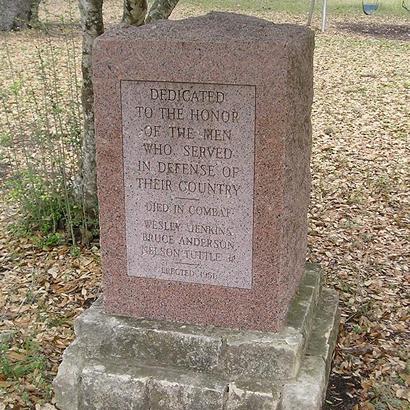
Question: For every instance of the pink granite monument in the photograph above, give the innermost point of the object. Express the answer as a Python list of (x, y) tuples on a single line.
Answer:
[(203, 146), (203, 141)]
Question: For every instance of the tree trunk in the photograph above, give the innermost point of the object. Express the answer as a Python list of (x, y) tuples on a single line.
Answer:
[(311, 10), (134, 12), (15, 14), (92, 25), (34, 11), (161, 9)]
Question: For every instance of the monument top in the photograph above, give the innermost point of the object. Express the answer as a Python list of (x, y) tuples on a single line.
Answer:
[(203, 146), (213, 27)]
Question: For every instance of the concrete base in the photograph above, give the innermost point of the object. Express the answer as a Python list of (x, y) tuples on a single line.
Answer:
[(124, 363)]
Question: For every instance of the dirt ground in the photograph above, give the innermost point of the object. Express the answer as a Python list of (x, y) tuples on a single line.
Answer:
[(358, 220), (381, 30)]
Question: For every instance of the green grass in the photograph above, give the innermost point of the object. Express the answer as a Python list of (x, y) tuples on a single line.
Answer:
[(30, 361), (350, 7), (27, 368)]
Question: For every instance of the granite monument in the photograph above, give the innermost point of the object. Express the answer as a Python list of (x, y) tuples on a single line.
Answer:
[(203, 138), (203, 149)]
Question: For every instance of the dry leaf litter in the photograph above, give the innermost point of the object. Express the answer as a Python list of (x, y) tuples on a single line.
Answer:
[(359, 225)]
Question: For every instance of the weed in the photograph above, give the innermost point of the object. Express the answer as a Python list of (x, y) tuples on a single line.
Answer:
[(15, 367), (385, 398), (75, 251), (26, 397), (49, 240), (383, 184), (40, 141), (24, 366), (58, 321), (355, 197)]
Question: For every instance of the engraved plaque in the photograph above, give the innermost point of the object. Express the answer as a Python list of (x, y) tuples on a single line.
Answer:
[(189, 179)]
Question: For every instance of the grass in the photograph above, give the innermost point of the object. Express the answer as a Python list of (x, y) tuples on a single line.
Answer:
[(344, 7), (23, 360), (15, 365)]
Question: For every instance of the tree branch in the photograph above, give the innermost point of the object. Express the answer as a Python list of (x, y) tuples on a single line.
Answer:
[(161, 9), (134, 12)]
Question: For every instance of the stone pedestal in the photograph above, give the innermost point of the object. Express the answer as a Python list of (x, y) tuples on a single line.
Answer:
[(126, 363)]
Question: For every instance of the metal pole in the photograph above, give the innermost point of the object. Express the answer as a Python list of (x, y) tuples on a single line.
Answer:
[(324, 9), (312, 8)]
